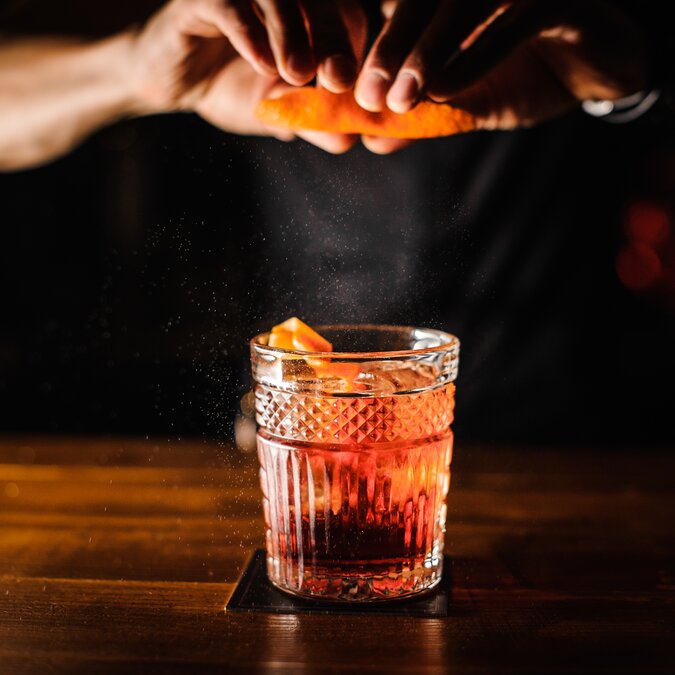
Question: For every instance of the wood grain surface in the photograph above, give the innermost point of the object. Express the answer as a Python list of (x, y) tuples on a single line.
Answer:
[(119, 556)]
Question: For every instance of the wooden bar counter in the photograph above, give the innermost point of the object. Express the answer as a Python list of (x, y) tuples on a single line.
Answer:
[(119, 556)]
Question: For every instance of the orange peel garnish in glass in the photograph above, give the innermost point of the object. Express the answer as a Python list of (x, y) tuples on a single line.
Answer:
[(296, 334)]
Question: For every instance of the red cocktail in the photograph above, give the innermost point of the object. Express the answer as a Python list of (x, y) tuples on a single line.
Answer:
[(355, 448)]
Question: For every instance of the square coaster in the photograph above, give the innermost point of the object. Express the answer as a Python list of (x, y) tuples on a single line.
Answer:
[(255, 593)]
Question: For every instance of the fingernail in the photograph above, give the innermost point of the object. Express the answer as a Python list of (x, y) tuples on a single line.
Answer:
[(404, 94), (371, 91), (340, 70), (300, 66)]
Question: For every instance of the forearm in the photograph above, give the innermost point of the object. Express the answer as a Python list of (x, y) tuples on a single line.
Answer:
[(54, 92)]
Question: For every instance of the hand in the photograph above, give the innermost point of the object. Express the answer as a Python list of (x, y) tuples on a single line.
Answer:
[(299, 39), (296, 39), (185, 58), (510, 64)]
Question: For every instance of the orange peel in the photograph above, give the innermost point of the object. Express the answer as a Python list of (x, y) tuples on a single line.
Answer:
[(296, 334), (321, 110)]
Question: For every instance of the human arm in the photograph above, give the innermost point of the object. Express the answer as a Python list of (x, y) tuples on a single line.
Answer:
[(54, 92)]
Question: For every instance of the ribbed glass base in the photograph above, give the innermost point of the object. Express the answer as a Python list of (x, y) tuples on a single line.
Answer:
[(365, 523)]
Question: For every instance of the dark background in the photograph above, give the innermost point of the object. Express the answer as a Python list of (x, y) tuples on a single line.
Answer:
[(133, 272)]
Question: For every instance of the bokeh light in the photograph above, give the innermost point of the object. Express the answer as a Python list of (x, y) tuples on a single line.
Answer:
[(647, 222), (638, 266), (646, 262)]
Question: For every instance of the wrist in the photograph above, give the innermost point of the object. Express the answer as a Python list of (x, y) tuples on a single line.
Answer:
[(125, 75), (154, 59)]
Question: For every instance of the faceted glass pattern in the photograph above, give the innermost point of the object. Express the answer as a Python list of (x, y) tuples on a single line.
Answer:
[(349, 420)]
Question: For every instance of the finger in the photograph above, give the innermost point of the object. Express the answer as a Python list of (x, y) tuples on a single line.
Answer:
[(496, 41), (238, 22), (385, 146), (451, 25), (333, 50), (354, 18), (390, 50), (336, 144), (281, 134), (289, 40)]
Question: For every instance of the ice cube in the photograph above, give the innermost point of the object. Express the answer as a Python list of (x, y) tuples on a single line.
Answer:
[(372, 382), (392, 377)]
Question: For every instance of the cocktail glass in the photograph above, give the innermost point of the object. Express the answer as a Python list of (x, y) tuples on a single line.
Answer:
[(355, 448)]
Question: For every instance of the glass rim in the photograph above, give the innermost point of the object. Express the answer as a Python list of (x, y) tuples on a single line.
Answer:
[(452, 343)]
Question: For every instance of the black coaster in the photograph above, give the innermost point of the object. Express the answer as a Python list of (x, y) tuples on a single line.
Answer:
[(254, 593)]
